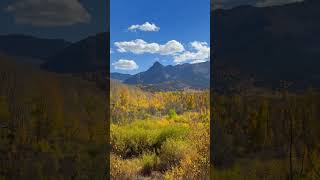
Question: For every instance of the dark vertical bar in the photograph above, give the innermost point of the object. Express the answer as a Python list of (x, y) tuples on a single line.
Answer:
[(211, 90), (264, 89), (107, 175)]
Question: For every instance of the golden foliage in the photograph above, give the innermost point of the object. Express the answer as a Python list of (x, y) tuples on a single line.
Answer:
[(160, 134)]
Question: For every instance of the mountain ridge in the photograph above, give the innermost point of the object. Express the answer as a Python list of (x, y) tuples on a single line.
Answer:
[(20, 45), (184, 76), (87, 55)]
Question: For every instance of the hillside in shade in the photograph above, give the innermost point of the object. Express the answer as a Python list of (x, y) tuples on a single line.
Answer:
[(87, 55), (271, 47), (29, 46)]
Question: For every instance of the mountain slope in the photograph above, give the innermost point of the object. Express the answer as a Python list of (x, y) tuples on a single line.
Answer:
[(88, 55), (195, 76), (31, 47), (267, 45)]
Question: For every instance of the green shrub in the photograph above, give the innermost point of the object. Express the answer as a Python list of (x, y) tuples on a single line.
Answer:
[(172, 114), (140, 137), (149, 163), (174, 131), (132, 141)]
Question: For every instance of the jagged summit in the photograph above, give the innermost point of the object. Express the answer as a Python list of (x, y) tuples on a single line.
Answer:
[(157, 64)]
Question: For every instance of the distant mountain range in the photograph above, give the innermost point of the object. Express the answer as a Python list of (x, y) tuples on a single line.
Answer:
[(271, 47), (87, 55), (184, 76), (119, 76)]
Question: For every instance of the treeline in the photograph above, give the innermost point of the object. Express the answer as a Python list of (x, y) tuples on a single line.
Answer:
[(129, 102), (274, 135), (51, 126)]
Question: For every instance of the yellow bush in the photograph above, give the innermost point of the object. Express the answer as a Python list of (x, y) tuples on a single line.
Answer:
[(124, 169), (172, 152)]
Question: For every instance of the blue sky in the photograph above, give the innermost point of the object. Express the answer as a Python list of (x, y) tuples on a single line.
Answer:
[(185, 24)]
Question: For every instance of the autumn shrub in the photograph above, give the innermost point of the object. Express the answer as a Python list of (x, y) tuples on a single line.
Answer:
[(195, 162), (43, 146), (133, 168), (172, 151), (124, 169)]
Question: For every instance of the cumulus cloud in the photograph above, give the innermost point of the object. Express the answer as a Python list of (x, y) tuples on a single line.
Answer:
[(198, 61), (227, 4), (144, 27), (125, 64), (49, 12), (201, 53), (140, 46)]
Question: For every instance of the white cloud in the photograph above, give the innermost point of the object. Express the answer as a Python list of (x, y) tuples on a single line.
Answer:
[(144, 27), (140, 46), (201, 53), (111, 51), (124, 64), (198, 61), (49, 12)]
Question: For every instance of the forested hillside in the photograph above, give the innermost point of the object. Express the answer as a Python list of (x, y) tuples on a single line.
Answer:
[(51, 126), (270, 135)]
